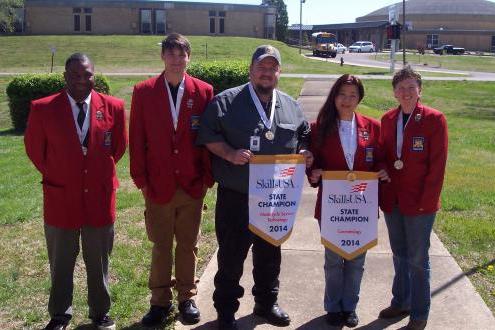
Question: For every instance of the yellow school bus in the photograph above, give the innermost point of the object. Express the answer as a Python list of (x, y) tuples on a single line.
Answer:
[(324, 44)]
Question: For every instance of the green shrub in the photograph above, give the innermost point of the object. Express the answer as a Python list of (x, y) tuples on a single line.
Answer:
[(221, 75), (25, 88)]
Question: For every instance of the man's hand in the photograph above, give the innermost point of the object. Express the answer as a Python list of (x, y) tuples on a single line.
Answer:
[(239, 156), (308, 157), (383, 176), (315, 175)]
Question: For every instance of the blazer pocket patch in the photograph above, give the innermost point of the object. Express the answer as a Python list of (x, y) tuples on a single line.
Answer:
[(195, 122), (418, 143)]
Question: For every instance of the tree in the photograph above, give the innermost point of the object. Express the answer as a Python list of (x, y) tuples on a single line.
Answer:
[(282, 18), (7, 14)]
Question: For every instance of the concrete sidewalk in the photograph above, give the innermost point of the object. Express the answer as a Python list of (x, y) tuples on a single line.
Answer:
[(455, 303)]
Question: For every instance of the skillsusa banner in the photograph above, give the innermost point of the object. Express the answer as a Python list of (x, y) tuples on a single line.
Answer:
[(275, 186), (349, 212)]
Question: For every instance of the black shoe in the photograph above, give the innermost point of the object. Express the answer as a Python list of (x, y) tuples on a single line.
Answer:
[(350, 319), (227, 323), (156, 315), (104, 323), (392, 312), (55, 324), (273, 314), (189, 311), (334, 319), (416, 325)]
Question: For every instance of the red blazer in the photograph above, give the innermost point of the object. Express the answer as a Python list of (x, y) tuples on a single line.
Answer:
[(77, 190), (161, 158), (415, 188), (330, 155)]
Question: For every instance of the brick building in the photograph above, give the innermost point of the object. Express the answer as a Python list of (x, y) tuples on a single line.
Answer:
[(148, 17), (431, 23)]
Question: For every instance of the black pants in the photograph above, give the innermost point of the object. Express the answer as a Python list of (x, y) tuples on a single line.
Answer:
[(234, 240)]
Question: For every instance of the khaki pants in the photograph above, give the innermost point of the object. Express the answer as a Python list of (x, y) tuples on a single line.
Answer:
[(181, 218)]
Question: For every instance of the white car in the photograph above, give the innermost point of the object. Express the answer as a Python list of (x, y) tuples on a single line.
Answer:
[(341, 49), (362, 47)]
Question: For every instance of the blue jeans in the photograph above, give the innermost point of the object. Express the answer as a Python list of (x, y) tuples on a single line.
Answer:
[(342, 282), (410, 242)]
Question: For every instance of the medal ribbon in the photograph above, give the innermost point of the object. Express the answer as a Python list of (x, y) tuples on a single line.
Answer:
[(400, 133), (268, 122), (175, 108)]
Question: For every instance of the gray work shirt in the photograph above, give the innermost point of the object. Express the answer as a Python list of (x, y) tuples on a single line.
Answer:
[(231, 117)]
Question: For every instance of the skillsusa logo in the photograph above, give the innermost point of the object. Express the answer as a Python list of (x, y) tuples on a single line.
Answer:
[(359, 188)]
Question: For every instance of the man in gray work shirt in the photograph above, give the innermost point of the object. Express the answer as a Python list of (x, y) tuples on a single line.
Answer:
[(254, 118)]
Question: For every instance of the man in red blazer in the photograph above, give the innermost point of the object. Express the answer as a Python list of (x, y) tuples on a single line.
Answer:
[(173, 175), (414, 139), (74, 138)]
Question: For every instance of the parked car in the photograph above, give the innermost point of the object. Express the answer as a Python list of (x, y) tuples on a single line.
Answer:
[(449, 49), (341, 49), (362, 47)]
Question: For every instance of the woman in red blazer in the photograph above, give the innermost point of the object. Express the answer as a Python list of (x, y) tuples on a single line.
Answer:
[(342, 140), (414, 139)]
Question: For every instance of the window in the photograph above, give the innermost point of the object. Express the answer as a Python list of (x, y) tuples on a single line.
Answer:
[(212, 13), (432, 41), (222, 25), (493, 44), (88, 10), (77, 23), (160, 21), (212, 25), (76, 10), (88, 23), (145, 21), (221, 14)]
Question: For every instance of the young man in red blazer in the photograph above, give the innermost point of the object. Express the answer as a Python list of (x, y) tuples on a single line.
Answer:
[(74, 138), (414, 139), (173, 175)]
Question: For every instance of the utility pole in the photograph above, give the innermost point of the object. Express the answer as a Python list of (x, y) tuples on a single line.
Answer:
[(404, 32), (300, 25)]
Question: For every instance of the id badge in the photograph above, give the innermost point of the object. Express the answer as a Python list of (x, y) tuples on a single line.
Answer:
[(254, 143)]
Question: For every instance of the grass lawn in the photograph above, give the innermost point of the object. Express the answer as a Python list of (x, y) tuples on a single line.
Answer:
[(142, 53), (452, 62)]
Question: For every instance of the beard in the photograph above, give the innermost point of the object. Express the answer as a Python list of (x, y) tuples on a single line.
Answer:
[(262, 90)]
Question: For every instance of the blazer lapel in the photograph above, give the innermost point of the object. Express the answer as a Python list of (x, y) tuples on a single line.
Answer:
[(363, 136), (97, 113), (68, 125), (412, 127)]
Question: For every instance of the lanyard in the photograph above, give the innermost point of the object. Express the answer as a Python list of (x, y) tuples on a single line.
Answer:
[(175, 108), (348, 140), (400, 132), (268, 122)]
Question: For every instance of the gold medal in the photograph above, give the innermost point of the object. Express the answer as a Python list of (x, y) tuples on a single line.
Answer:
[(351, 176), (269, 135), (398, 164)]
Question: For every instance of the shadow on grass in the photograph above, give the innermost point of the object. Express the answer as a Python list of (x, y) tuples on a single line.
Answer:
[(11, 132), (456, 279)]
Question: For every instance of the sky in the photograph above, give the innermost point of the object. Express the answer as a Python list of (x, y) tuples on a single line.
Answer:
[(322, 11)]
